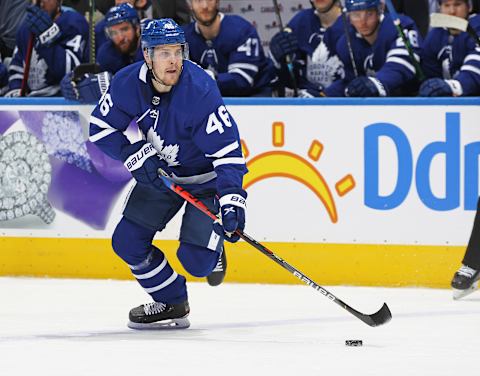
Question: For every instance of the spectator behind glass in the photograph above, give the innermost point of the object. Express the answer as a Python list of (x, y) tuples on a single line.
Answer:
[(60, 37), (310, 40), (451, 58), (383, 64), (228, 46)]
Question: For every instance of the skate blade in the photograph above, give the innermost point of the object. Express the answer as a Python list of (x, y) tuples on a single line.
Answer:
[(172, 324), (459, 294)]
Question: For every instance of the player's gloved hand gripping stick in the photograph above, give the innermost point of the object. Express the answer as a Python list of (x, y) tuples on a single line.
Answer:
[(378, 318)]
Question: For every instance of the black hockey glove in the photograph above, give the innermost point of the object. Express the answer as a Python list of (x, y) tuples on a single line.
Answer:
[(144, 163), (40, 23), (365, 87), (437, 87), (232, 214), (282, 44)]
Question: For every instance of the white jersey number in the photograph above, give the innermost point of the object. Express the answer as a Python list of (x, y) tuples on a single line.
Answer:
[(216, 124), (106, 104), (250, 47)]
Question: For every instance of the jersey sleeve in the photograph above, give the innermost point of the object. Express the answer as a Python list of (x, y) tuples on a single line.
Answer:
[(431, 64), (469, 73), (244, 63), (216, 135), (399, 68), (109, 120)]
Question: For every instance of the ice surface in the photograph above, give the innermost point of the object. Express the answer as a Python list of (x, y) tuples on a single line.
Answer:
[(78, 327)]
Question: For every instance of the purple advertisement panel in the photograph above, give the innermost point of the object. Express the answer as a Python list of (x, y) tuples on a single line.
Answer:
[(48, 165)]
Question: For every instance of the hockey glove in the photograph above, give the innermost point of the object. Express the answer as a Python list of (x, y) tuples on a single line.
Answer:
[(40, 23), (437, 87), (88, 90), (365, 87), (282, 44), (232, 214), (144, 163)]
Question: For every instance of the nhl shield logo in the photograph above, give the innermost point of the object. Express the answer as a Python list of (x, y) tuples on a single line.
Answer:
[(155, 100)]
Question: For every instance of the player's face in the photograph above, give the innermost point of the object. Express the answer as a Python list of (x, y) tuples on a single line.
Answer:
[(124, 36), (457, 8), (167, 63), (205, 11), (365, 21), (323, 5)]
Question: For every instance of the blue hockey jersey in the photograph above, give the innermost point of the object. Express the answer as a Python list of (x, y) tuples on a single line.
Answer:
[(49, 65), (453, 57), (316, 62), (387, 59), (235, 55), (110, 59), (189, 126)]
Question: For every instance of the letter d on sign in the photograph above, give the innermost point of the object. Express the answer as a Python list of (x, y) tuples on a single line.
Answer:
[(372, 134)]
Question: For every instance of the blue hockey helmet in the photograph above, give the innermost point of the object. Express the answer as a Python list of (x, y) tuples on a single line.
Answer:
[(160, 32), (163, 31), (124, 12), (353, 5)]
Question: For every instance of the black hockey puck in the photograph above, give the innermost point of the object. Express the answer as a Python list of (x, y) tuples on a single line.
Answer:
[(354, 342)]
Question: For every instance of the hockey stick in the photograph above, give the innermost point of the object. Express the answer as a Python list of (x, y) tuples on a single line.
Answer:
[(452, 22), (92, 31), (408, 46), (288, 58), (347, 37), (26, 70), (28, 59), (382, 316)]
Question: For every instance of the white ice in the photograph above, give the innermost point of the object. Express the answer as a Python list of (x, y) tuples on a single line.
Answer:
[(78, 327)]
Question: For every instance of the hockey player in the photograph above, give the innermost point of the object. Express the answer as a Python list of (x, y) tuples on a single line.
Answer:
[(310, 40), (60, 39), (381, 58), (229, 47), (189, 135), (122, 49), (451, 58), (465, 280)]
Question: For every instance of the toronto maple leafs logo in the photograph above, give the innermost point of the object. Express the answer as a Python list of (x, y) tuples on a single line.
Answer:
[(445, 56), (324, 68), (368, 66), (168, 153)]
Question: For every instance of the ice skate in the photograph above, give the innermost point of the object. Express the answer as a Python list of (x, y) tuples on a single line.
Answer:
[(464, 282), (218, 273), (157, 315)]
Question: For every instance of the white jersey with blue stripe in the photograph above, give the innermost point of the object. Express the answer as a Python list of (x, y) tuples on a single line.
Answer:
[(387, 59), (189, 126), (453, 57)]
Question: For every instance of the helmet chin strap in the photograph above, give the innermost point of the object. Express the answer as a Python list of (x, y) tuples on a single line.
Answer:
[(156, 79)]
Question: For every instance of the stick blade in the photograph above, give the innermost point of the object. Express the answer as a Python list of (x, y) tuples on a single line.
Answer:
[(382, 316), (450, 22)]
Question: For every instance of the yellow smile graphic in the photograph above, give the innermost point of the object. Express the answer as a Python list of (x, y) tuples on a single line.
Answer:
[(289, 165)]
